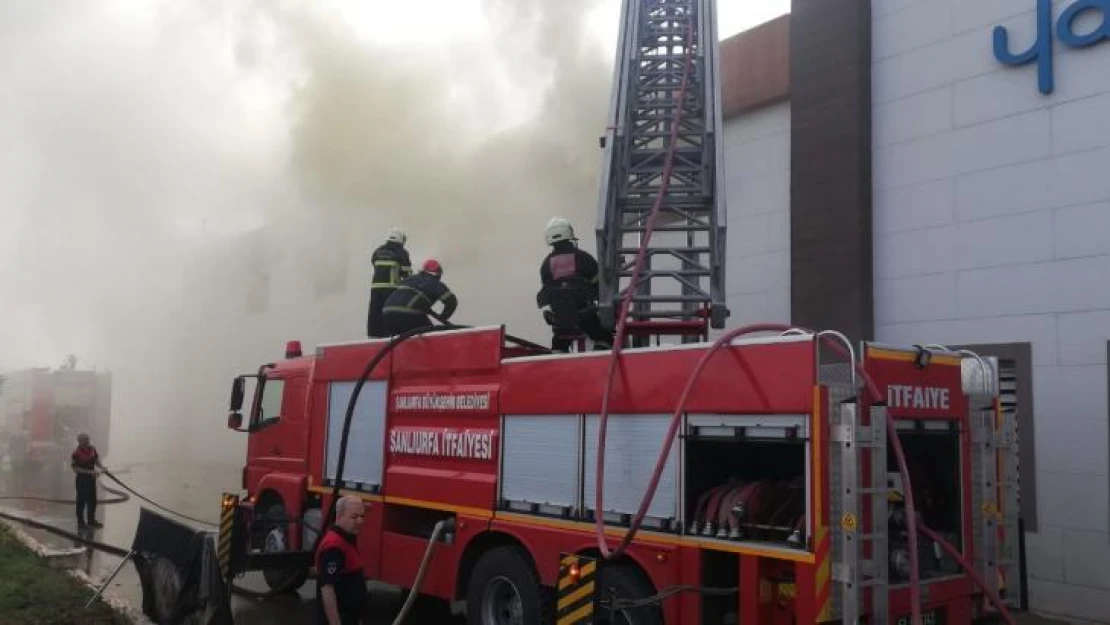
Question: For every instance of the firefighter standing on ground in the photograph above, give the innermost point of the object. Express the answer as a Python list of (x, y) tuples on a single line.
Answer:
[(84, 461), (391, 265), (569, 293), (341, 584), (409, 306)]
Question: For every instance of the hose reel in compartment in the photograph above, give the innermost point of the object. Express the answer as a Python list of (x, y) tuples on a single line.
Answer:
[(747, 478)]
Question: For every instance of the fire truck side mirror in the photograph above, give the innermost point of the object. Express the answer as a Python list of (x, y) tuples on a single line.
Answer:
[(234, 420), (237, 392)]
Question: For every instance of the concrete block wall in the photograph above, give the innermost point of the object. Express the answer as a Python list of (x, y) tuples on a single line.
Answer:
[(992, 225), (757, 183)]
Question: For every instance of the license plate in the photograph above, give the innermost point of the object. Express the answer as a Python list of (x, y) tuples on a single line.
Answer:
[(931, 617)]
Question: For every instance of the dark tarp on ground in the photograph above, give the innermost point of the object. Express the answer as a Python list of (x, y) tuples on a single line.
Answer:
[(179, 573)]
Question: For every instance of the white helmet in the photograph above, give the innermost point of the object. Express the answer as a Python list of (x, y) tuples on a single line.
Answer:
[(558, 229), (396, 235)]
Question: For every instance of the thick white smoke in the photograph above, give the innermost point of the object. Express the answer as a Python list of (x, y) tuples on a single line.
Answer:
[(166, 165)]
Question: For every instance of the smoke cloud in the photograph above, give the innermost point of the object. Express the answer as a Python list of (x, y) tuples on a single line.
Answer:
[(185, 186)]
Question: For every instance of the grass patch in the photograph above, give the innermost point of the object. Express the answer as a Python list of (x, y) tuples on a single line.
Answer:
[(33, 593)]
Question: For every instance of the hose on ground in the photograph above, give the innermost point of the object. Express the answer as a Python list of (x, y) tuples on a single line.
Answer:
[(105, 547), (121, 497), (53, 529), (156, 504), (420, 573)]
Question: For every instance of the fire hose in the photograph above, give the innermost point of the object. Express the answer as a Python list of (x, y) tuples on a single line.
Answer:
[(618, 344), (622, 314), (877, 399), (104, 547), (343, 440)]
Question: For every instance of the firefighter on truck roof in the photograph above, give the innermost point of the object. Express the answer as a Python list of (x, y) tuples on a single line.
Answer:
[(391, 265), (341, 584), (409, 306), (569, 293)]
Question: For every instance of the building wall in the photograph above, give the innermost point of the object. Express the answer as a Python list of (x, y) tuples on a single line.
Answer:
[(992, 225), (757, 183)]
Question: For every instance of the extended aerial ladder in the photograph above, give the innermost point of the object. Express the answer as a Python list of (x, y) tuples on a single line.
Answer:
[(682, 284)]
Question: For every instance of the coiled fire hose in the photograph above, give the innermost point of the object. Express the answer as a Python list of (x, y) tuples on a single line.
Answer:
[(626, 302), (877, 399)]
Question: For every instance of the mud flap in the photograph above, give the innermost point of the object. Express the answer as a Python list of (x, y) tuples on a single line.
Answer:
[(576, 596)]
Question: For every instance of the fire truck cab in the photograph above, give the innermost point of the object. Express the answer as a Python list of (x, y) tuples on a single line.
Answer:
[(779, 500)]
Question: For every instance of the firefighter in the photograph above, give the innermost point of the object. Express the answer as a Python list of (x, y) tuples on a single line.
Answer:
[(341, 584), (569, 293), (391, 264), (84, 461), (409, 306)]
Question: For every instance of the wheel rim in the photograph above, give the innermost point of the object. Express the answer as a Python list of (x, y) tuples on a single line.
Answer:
[(501, 603), (275, 541)]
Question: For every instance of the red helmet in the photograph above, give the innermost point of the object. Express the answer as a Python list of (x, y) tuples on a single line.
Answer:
[(432, 266)]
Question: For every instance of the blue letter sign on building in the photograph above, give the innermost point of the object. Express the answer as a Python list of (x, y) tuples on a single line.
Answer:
[(1041, 50)]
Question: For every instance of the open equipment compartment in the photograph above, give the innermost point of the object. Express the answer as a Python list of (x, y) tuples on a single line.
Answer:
[(747, 478), (934, 457)]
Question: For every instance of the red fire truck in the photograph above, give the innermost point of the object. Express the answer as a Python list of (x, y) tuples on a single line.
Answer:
[(779, 500), (41, 412)]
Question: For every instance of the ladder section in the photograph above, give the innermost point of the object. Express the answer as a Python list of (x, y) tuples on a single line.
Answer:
[(1009, 553), (995, 475), (681, 286), (858, 514), (1009, 557), (985, 502)]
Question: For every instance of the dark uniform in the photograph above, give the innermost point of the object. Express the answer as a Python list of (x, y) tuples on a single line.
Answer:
[(85, 458), (339, 565), (408, 307), (391, 265), (570, 287)]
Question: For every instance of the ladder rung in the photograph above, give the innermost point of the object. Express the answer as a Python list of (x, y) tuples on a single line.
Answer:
[(665, 273), (691, 228), (668, 299), (676, 250)]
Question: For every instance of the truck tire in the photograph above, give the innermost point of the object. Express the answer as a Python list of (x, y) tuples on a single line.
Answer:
[(275, 540), (628, 583), (504, 589)]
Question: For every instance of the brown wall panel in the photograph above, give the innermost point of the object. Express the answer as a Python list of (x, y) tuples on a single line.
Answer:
[(755, 67), (830, 178)]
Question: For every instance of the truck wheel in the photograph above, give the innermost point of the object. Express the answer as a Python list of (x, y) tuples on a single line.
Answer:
[(504, 589), (276, 540), (627, 583)]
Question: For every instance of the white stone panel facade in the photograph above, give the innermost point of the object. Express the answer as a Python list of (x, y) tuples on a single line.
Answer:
[(992, 225), (757, 183)]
